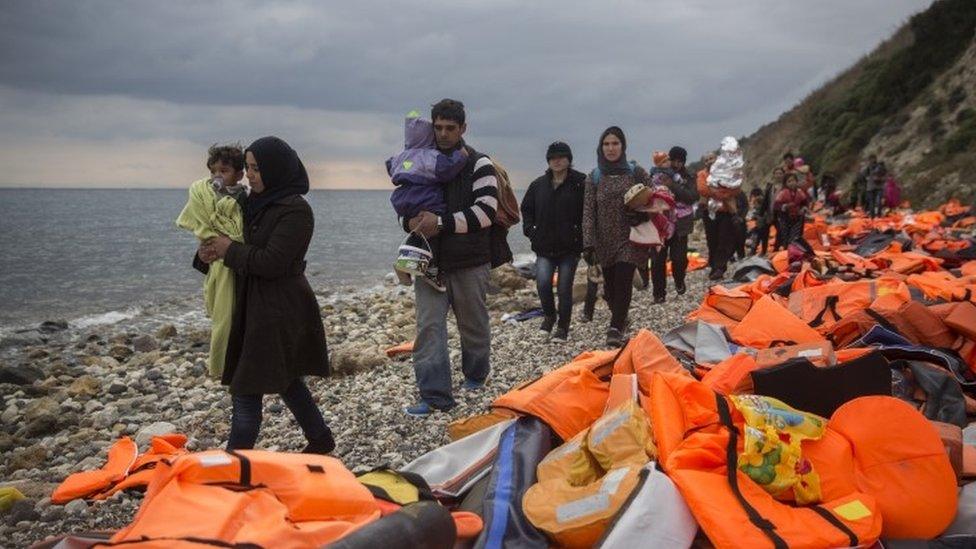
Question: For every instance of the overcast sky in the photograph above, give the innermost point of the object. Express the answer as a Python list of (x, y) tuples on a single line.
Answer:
[(108, 93)]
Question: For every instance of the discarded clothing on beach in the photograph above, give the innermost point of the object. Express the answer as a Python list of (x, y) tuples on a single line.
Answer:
[(515, 318)]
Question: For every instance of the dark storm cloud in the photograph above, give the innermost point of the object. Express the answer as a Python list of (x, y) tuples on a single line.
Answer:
[(668, 72)]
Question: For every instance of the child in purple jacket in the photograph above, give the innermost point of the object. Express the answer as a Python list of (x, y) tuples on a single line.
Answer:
[(419, 173)]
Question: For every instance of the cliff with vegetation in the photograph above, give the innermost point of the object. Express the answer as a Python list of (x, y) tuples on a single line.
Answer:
[(912, 101)]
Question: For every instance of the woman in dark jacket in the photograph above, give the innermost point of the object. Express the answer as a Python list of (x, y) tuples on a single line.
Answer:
[(276, 332), (606, 227), (552, 218)]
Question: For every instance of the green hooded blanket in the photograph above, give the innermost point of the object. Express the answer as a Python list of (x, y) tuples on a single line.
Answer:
[(207, 215)]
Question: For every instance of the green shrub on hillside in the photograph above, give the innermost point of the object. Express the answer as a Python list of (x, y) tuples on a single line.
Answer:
[(962, 138), (957, 96), (837, 130)]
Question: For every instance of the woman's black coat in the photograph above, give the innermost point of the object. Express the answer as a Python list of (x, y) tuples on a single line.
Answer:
[(276, 331)]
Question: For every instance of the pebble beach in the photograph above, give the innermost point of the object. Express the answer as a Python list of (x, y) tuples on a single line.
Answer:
[(69, 393)]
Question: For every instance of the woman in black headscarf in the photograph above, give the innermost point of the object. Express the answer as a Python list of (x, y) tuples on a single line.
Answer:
[(606, 226), (276, 332)]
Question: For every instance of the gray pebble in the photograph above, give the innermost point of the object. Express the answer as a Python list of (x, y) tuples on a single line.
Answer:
[(76, 507)]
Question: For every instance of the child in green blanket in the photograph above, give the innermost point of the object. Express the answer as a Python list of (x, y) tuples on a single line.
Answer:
[(214, 208)]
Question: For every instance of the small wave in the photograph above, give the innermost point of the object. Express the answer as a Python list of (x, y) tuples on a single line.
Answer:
[(101, 319)]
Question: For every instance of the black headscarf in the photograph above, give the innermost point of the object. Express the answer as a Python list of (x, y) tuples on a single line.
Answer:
[(282, 173), (619, 167)]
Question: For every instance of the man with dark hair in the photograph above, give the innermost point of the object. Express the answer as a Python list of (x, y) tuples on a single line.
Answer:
[(461, 240), (448, 109)]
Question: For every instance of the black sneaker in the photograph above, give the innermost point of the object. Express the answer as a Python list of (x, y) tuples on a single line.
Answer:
[(716, 275), (323, 445), (547, 323), (561, 334), (434, 281), (587, 316), (659, 299), (614, 337), (680, 288)]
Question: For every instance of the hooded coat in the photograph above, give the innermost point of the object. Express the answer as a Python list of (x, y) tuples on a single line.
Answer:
[(420, 171), (276, 331)]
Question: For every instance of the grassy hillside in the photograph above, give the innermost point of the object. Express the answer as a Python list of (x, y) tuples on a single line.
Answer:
[(911, 101)]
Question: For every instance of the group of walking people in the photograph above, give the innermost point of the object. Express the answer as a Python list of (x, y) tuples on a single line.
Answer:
[(276, 334), (568, 216), (875, 188)]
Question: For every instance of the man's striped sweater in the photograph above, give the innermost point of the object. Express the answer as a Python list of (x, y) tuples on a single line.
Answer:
[(481, 214)]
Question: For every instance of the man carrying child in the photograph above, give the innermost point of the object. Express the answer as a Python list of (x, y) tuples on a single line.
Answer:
[(460, 239)]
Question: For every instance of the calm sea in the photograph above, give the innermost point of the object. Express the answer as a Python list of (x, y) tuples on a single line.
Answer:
[(72, 254)]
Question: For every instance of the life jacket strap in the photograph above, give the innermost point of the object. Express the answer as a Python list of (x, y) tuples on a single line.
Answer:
[(830, 304), (732, 469), (837, 523)]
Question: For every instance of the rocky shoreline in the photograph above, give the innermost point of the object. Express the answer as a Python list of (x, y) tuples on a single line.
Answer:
[(67, 394)]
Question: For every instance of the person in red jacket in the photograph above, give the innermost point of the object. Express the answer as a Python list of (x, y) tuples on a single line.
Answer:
[(791, 206)]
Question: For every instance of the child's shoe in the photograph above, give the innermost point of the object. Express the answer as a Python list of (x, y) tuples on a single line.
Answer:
[(430, 276), (404, 278), (412, 260)]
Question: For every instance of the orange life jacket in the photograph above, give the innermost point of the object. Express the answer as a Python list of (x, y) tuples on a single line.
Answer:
[(255, 497), (121, 457), (143, 469), (570, 398), (768, 323), (123, 470), (881, 464), (908, 262), (698, 437), (943, 285), (567, 399), (823, 306), (401, 349), (960, 317), (733, 302), (731, 376), (913, 320)]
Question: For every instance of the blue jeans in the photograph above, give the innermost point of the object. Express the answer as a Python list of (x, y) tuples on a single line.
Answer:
[(545, 267), (246, 418), (466, 296)]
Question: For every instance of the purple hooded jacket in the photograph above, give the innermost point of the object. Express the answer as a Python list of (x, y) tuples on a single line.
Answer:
[(420, 171)]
